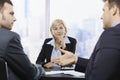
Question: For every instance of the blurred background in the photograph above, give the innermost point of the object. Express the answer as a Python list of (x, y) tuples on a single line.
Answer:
[(34, 18)]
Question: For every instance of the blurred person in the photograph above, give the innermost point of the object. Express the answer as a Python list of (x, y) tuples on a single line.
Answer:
[(11, 50), (104, 63), (51, 46)]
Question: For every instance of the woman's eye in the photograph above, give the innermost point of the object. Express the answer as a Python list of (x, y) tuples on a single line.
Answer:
[(61, 27), (54, 28)]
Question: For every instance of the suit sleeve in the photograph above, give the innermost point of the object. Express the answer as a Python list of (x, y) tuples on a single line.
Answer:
[(18, 60), (81, 64)]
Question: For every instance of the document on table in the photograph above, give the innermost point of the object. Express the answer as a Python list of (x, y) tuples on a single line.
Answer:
[(71, 72)]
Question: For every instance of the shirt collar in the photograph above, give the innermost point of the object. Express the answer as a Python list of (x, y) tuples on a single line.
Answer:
[(116, 24), (52, 42)]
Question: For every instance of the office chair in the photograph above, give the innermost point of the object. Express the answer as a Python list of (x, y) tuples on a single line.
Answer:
[(3, 69)]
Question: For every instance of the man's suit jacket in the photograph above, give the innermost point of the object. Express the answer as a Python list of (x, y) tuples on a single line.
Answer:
[(19, 66), (46, 50), (104, 63)]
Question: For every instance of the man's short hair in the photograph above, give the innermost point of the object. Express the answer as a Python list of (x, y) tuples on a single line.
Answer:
[(2, 2)]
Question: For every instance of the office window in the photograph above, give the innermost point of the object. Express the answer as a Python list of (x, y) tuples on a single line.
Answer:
[(34, 17), (30, 25), (82, 18)]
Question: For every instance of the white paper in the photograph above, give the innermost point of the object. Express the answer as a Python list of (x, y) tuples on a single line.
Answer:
[(71, 72)]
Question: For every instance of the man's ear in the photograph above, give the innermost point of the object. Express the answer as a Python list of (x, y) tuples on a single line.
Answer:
[(0, 16), (114, 10)]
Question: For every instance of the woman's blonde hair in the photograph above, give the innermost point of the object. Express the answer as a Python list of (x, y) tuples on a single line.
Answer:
[(58, 22)]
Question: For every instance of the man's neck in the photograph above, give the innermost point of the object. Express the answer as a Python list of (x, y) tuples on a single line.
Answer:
[(116, 23)]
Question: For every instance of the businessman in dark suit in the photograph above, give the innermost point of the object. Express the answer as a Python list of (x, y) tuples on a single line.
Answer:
[(11, 50), (104, 63), (50, 48)]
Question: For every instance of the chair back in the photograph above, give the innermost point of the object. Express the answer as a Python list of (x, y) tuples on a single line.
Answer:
[(3, 69)]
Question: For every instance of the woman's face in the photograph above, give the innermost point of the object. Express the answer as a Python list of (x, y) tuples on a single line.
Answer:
[(58, 31)]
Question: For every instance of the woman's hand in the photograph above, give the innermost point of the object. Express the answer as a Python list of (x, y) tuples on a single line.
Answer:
[(62, 42), (49, 65)]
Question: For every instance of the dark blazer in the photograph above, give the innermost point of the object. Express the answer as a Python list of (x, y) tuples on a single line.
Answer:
[(19, 66), (104, 63), (46, 50)]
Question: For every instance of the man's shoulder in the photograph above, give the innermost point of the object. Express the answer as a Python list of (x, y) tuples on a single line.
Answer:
[(110, 38), (7, 32), (6, 36), (113, 31)]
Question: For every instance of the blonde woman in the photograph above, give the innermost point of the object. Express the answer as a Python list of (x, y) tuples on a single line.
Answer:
[(51, 46)]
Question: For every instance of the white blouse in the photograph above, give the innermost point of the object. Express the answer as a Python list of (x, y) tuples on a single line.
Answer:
[(56, 53)]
